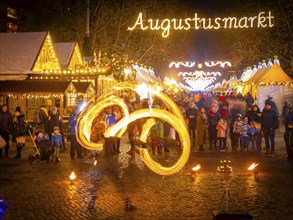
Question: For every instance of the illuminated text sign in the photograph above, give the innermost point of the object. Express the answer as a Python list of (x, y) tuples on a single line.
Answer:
[(261, 20)]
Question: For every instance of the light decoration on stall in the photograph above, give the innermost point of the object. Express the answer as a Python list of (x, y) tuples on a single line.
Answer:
[(216, 63), (47, 58), (199, 79), (261, 20), (31, 96), (180, 64), (173, 117), (172, 86), (149, 70)]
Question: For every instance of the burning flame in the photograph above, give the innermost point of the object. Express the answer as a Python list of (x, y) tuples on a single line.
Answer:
[(72, 176), (95, 163), (197, 167), (252, 166)]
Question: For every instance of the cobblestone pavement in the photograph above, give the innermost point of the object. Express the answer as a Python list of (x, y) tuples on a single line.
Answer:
[(43, 191)]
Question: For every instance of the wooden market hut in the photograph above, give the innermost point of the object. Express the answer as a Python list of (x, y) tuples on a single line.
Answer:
[(31, 94), (26, 53)]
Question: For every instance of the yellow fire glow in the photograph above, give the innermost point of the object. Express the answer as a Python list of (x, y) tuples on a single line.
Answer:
[(72, 176), (173, 117), (252, 166), (196, 168)]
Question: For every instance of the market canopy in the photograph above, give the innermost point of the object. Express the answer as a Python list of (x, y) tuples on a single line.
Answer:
[(258, 74), (275, 74)]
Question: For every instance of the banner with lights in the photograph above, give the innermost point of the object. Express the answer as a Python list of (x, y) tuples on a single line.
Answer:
[(202, 77), (261, 20)]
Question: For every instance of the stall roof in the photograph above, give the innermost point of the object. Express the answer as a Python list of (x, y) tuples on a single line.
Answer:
[(64, 53), (82, 87), (30, 86), (275, 74), (19, 51), (257, 75)]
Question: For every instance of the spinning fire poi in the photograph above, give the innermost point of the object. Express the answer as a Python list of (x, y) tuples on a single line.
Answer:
[(173, 117)]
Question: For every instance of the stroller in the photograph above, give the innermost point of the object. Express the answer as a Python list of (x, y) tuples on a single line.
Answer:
[(42, 146)]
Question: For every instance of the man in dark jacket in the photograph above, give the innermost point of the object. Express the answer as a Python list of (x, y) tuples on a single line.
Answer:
[(191, 114), (5, 125), (269, 122)]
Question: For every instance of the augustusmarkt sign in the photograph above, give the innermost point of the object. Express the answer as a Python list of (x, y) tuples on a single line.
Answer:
[(261, 20)]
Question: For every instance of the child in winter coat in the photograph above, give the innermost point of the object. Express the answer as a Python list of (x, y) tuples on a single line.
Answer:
[(221, 132), (56, 143), (252, 135), (237, 126), (244, 135)]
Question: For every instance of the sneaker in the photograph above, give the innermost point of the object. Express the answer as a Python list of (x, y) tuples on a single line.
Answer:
[(58, 159)]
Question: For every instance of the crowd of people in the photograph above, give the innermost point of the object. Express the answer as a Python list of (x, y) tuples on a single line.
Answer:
[(214, 121)]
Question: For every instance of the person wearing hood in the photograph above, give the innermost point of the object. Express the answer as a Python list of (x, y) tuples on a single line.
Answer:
[(269, 123), (17, 130), (272, 103), (5, 126)]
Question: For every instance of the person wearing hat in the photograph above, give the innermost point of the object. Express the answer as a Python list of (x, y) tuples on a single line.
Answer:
[(272, 103), (56, 143), (269, 123)]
